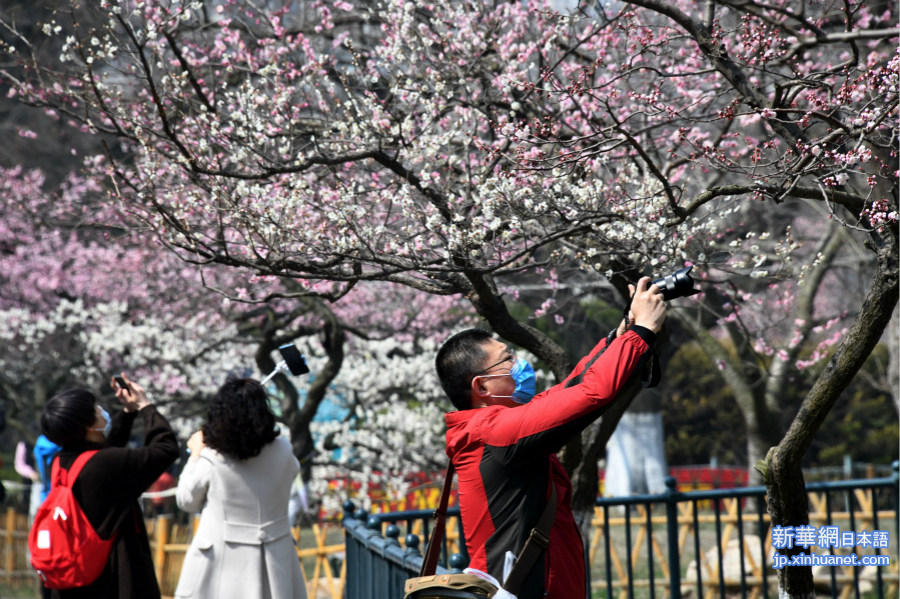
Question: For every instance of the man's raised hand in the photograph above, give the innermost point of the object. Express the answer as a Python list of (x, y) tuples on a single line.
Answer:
[(647, 305)]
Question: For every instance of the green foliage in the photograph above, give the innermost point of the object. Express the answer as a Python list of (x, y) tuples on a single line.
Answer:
[(8, 470), (702, 419), (596, 310), (863, 423), (700, 416)]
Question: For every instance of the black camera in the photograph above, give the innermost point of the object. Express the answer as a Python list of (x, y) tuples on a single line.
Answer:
[(677, 284), (673, 286)]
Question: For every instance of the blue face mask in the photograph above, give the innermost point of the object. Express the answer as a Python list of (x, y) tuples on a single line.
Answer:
[(106, 427), (522, 374)]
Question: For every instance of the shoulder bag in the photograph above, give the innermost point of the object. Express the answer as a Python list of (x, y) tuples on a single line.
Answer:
[(428, 585)]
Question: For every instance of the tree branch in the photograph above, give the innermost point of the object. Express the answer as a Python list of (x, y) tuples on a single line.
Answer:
[(733, 73), (836, 38), (852, 202)]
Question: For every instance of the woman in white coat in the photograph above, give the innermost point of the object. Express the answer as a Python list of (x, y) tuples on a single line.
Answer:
[(240, 474)]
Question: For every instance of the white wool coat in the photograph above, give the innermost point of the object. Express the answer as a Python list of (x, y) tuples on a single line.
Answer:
[(242, 548)]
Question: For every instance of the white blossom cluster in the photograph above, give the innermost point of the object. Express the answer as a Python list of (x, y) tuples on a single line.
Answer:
[(377, 169), (395, 428), (88, 344)]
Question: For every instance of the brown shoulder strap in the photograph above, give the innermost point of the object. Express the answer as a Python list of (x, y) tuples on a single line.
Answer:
[(537, 541), (429, 564)]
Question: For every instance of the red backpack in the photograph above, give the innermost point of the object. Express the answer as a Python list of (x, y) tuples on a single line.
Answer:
[(65, 549)]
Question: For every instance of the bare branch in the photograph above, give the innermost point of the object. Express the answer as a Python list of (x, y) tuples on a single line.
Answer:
[(852, 202), (837, 38)]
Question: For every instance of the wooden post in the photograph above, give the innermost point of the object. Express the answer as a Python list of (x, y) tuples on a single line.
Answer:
[(162, 539), (10, 548)]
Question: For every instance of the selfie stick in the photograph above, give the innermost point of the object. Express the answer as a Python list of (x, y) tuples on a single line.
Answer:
[(282, 367), (293, 361)]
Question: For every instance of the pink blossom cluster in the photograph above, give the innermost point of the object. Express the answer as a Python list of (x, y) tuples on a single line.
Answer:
[(446, 147), (821, 350), (880, 213)]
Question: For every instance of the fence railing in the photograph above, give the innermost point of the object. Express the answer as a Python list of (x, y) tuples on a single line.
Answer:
[(698, 544), (377, 565)]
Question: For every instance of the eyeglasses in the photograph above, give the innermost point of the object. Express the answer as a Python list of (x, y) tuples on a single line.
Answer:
[(510, 358)]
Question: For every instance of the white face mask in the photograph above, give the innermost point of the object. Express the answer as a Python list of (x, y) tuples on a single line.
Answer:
[(107, 427)]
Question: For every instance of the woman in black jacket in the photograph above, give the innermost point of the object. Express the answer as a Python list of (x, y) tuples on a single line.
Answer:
[(112, 481)]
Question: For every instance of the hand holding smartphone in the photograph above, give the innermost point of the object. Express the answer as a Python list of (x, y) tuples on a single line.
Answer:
[(129, 393), (121, 384)]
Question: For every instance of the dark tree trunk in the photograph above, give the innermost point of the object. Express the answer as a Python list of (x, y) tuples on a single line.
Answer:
[(894, 357), (585, 478), (787, 500)]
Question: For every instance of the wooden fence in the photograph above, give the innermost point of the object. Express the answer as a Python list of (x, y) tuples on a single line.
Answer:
[(325, 579), (14, 549), (169, 542)]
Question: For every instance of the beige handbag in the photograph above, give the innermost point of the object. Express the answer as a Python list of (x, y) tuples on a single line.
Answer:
[(428, 585), (441, 586)]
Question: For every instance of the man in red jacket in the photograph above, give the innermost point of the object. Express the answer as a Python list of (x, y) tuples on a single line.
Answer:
[(503, 443)]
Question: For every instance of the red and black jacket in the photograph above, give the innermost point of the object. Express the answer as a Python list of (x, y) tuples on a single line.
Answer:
[(504, 459)]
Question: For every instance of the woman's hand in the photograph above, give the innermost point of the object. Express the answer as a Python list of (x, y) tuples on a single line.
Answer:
[(133, 398), (195, 444)]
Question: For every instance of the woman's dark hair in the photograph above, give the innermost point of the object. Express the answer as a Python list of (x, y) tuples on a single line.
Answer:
[(239, 420), (67, 415)]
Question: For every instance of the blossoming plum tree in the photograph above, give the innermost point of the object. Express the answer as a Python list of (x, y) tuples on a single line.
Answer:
[(331, 145), (82, 300), (450, 147)]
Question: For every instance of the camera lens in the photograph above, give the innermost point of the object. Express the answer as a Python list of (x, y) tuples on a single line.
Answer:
[(677, 284)]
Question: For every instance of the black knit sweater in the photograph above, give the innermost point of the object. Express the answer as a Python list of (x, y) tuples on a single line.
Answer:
[(107, 491)]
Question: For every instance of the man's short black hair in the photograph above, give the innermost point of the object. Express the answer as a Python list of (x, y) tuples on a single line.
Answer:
[(461, 356)]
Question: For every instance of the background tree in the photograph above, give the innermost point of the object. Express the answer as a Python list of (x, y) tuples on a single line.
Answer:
[(82, 299), (360, 348), (758, 331)]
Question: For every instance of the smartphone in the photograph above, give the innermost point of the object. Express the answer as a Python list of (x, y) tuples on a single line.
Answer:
[(121, 384), (294, 359)]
